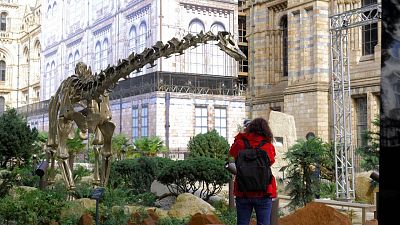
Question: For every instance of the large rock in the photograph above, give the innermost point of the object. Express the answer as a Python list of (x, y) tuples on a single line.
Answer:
[(159, 189), (315, 214), (78, 207), (365, 192), (187, 205), (13, 190), (87, 179), (87, 203), (203, 219), (284, 129), (166, 202), (86, 219), (371, 222)]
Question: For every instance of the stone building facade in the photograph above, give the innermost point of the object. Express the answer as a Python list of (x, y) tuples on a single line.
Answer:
[(179, 97), (289, 49), (20, 49)]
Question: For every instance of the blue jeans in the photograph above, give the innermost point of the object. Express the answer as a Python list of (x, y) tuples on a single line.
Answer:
[(245, 206)]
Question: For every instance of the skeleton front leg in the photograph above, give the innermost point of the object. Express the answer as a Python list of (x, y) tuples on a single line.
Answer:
[(64, 129), (107, 130), (50, 158), (96, 173)]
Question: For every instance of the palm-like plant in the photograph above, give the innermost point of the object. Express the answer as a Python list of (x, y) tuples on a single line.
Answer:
[(74, 146), (149, 146), (119, 145), (304, 159)]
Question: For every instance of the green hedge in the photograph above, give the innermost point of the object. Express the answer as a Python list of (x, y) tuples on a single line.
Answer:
[(199, 174), (136, 174)]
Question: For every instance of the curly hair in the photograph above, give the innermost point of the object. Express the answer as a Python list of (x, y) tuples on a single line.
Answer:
[(261, 127)]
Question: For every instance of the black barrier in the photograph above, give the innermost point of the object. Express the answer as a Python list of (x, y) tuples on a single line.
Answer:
[(41, 169)]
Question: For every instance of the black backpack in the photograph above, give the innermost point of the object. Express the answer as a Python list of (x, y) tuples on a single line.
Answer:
[(253, 170)]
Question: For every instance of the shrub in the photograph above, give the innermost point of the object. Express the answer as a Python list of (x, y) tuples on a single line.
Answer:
[(80, 172), (203, 174), (370, 151), (209, 144), (33, 207), (304, 158), (134, 174), (225, 214)]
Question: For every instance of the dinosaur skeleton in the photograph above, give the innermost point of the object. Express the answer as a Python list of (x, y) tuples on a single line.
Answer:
[(91, 93)]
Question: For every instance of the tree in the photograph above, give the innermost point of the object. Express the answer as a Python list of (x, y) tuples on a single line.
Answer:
[(209, 144), (149, 146), (16, 138), (74, 146), (370, 152), (305, 159)]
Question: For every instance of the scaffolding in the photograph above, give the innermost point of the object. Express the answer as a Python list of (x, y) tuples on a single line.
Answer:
[(341, 93)]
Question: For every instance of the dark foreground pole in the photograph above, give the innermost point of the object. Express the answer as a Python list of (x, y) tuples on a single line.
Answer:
[(274, 211), (97, 194), (231, 197)]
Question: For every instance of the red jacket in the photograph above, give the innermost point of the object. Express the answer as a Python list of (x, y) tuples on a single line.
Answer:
[(254, 140)]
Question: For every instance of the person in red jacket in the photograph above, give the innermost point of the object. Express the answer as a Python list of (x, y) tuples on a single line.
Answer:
[(261, 201)]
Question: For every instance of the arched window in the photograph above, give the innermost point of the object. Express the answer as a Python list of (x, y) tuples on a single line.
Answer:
[(53, 83), (195, 63), (2, 104), (142, 36), (54, 8), (26, 54), (97, 57), (77, 57), (104, 54), (132, 41), (2, 70), (70, 65), (47, 81), (284, 27), (48, 11), (3, 21), (37, 49), (217, 63)]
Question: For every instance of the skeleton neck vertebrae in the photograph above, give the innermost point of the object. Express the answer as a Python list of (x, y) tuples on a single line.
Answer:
[(91, 93)]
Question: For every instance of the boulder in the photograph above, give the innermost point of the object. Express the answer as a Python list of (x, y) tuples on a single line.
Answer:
[(315, 214), (204, 219), (371, 222), (159, 189), (365, 192), (187, 205), (78, 207), (165, 203), (87, 203), (87, 179), (13, 190), (86, 219)]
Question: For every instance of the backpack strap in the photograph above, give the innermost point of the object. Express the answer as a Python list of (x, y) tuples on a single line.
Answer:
[(246, 143), (263, 142)]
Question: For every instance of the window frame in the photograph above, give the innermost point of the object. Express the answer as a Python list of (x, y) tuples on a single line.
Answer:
[(202, 117)]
